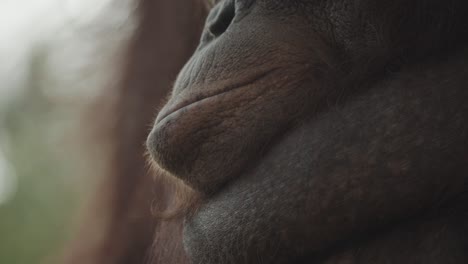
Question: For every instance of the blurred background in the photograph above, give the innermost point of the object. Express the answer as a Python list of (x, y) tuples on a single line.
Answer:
[(56, 58)]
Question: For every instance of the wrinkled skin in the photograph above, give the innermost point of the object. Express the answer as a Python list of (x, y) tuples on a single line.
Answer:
[(324, 132)]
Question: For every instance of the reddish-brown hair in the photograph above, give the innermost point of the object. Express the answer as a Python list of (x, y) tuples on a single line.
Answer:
[(119, 226)]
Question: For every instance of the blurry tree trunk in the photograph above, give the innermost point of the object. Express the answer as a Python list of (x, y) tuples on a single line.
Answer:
[(119, 228)]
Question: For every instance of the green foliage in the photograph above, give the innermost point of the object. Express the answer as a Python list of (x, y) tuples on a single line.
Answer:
[(35, 222)]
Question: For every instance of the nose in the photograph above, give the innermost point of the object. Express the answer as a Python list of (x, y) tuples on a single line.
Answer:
[(222, 17)]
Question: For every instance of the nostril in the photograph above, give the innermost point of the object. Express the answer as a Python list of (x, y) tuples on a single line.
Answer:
[(224, 18)]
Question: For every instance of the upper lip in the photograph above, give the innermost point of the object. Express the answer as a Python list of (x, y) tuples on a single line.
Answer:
[(172, 107), (177, 104)]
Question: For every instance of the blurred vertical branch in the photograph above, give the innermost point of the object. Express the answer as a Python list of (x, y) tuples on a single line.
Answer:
[(118, 226)]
